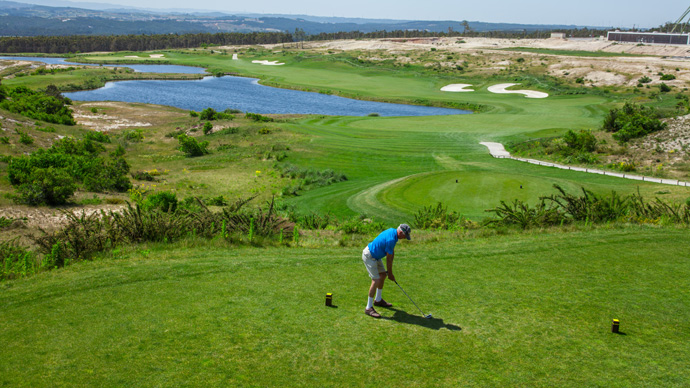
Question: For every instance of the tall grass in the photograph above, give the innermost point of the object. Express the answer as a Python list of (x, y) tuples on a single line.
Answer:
[(591, 208)]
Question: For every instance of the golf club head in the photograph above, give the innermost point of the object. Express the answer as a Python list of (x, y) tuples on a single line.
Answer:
[(428, 316)]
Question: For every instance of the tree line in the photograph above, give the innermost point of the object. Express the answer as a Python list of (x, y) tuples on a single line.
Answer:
[(89, 43)]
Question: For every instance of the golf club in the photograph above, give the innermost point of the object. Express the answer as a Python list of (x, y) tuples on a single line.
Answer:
[(428, 316)]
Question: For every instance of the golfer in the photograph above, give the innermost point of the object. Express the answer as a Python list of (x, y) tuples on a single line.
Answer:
[(372, 255)]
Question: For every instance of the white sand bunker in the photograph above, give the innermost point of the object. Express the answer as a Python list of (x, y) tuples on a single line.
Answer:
[(157, 55), (501, 88), (269, 63), (456, 88), (496, 149)]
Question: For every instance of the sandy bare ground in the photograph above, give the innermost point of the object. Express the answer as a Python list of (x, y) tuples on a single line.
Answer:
[(595, 71)]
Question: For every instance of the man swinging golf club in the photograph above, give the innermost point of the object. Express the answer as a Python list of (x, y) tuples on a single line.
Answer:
[(372, 255)]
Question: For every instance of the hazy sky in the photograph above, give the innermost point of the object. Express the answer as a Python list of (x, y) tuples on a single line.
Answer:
[(617, 13)]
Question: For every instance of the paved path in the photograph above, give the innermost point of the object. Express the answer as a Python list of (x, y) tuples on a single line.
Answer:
[(498, 151)]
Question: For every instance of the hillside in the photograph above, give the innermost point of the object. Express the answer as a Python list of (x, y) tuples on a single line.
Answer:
[(19, 19)]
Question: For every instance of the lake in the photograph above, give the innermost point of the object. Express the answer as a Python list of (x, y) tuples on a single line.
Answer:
[(138, 68), (247, 95)]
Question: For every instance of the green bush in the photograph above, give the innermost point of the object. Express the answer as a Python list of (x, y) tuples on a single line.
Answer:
[(47, 185), (668, 77), (632, 121), (210, 114), (644, 80), (208, 127), (580, 141), (37, 105), (25, 139), (191, 147), (134, 135), (51, 175), (663, 88), (257, 117), (164, 201), (97, 136)]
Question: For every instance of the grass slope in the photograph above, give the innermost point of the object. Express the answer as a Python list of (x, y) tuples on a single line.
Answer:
[(522, 310)]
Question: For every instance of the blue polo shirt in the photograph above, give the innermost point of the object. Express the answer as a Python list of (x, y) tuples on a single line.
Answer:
[(383, 244)]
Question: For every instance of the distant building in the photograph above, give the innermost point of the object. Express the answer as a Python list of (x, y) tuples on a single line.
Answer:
[(558, 35), (648, 37)]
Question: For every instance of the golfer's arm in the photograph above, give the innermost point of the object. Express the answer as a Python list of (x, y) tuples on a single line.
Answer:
[(389, 263)]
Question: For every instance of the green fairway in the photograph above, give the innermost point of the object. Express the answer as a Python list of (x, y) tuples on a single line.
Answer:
[(522, 310), (396, 165)]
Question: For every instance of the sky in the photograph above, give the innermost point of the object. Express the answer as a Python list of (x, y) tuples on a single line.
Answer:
[(618, 13)]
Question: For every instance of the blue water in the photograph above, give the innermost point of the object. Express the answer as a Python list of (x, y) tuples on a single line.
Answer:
[(247, 95), (138, 68)]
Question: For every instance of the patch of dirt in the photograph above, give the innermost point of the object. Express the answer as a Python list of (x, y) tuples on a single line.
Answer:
[(119, 115)]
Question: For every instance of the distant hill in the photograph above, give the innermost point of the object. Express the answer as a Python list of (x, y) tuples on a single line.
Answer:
[(20, 19)]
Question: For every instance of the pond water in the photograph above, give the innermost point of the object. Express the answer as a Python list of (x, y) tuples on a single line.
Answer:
[(244, 94), (138, 68), (247, 95)]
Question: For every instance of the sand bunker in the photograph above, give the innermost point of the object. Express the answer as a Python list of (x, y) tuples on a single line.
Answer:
[(269, 63), (457, 88), (501, 88), (157, 55)]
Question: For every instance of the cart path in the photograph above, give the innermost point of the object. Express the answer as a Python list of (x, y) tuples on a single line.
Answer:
[(498, 151)]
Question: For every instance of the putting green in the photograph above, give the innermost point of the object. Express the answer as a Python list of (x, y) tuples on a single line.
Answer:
[(466, 192)]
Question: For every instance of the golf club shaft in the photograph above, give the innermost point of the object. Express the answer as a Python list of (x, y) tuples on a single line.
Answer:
[(408, 297)]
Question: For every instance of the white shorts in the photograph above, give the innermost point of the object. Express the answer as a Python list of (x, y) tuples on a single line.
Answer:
[(374, 267)]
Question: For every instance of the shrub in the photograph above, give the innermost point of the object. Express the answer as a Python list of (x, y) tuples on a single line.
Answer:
[(580, 141), (632, 121), (164, 201), (668, 77), (37, 105), (4, 140), (193, 113), (644, 80), (47, 185), (51, 175), (134, 135), (97, 136), (264, 131), (16, 260), (438, 217), (25, 139), (191, 147), (210, 114), (175, 133), (257, 117), (208, 127), (663, 88), (579, 80)]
